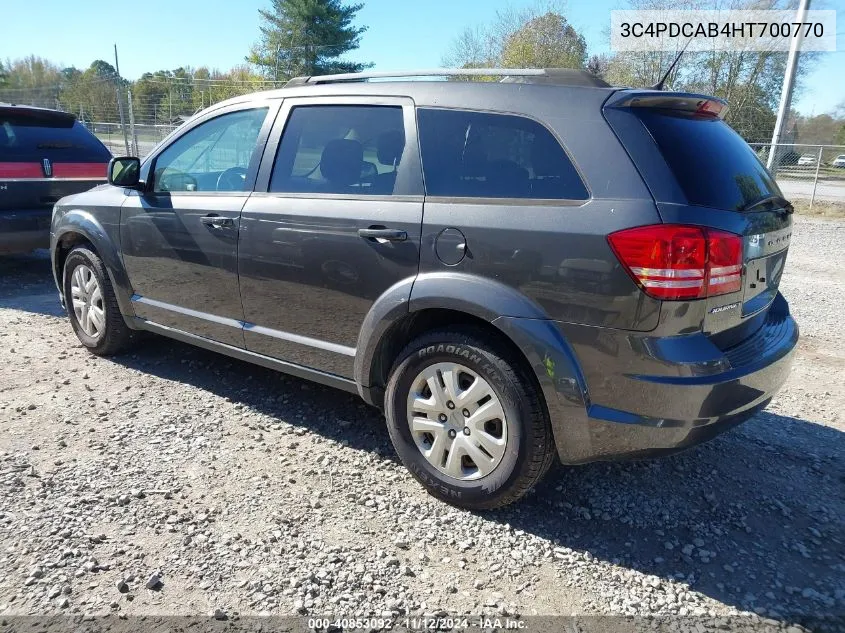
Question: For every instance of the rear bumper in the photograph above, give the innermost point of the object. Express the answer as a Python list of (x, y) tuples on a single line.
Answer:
[(24, 230), (643, 399)]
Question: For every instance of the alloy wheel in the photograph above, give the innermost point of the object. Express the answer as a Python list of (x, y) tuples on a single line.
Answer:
[(87, 300)]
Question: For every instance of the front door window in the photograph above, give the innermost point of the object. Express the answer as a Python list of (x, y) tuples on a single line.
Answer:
[(213, 156)]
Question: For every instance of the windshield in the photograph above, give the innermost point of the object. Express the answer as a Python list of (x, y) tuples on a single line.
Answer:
[(713, 165)]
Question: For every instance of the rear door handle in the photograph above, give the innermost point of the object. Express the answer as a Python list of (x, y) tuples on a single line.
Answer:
[(217, 222), (383, 235)]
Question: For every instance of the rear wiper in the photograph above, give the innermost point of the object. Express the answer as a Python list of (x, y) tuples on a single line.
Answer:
[(779, 200)]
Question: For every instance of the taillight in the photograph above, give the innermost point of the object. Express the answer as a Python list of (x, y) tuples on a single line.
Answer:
[(676, 262), (80, 170), (724, 262)]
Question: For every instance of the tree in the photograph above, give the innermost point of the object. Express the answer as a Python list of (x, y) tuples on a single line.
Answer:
[(537, 37), (3, 76), (33, 73), (546, 41), (750, 81), (71, 73), (31, 80), (473, 48), (307, 37), (102, 70), (597, 65), (150, 94)]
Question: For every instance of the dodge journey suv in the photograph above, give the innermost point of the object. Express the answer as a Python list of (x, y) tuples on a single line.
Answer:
[(542, 267)]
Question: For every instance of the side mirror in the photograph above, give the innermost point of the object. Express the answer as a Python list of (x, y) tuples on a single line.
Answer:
[(125, 171)]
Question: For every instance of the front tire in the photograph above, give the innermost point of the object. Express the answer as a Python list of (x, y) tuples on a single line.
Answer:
[(92, 305), (467, 419)]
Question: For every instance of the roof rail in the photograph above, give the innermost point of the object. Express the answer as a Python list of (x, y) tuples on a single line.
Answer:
[(432, 72)]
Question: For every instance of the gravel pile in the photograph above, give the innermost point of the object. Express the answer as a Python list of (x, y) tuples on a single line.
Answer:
[(175, 481)]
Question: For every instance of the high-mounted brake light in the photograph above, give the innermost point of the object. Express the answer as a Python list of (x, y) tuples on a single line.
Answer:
[(709, 107), (678, 262), (692, 104)]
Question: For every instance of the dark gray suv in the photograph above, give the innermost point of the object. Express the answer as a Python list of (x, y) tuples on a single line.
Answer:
[(541, 266)]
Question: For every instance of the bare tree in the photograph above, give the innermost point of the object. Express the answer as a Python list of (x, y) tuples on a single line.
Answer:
[(749, 80), (538, 36), (597, 65)]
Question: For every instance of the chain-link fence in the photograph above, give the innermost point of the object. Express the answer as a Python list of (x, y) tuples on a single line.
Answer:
[(133, 120), (139, 140), (815, 173)]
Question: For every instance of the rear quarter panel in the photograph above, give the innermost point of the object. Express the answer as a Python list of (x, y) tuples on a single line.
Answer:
[(555, 253)]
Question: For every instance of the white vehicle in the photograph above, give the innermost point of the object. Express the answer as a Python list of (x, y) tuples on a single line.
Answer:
[(839, 161), (806, 159)]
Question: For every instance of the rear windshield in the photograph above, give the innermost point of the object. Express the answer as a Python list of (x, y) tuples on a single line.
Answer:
[(61, 140), (713, 165)]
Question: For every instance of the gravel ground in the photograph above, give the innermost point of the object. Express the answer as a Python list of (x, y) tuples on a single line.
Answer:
[(176, 481)]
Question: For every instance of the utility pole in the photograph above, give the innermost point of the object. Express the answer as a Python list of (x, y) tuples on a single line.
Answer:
[(786, 92), (132, 126), (120, 101), (276, 71)]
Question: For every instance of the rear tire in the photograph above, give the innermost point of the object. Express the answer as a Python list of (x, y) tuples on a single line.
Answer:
[(500, 443), (92, 305)]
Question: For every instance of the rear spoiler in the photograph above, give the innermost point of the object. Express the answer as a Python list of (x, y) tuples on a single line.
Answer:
[(695, 104), (30, 115)]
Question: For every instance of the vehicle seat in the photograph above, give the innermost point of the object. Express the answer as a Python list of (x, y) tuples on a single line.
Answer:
[(389, 148), (341, 164)]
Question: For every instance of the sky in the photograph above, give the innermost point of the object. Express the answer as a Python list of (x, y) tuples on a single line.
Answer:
[(403, 34)]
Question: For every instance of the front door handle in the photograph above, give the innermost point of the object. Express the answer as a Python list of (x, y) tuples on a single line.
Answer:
[(217, 222), (383, 235)]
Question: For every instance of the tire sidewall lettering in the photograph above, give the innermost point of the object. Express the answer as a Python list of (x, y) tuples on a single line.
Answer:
[(477, 360)]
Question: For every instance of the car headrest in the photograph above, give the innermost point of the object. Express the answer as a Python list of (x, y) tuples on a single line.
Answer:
[(389, 147), (341, 161)]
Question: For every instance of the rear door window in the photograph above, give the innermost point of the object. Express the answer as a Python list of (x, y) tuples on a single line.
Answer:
[(482, 155), (340, 149), (712, 164), (30, 138)]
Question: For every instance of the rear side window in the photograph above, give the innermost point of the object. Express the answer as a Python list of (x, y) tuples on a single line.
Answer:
[(481, 155), (28, 138), (713, 165)]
